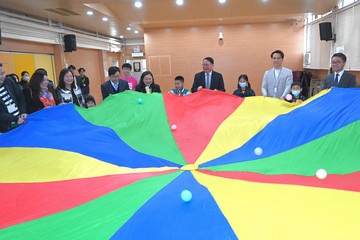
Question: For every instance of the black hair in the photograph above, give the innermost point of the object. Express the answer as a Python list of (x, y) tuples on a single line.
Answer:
[(279, 52), (13, 77), (35, 81), (63, 72), (72, 67), (244, 76), (296, 84), (340, 55), (23, 73), (180, 78), (210, 59), (41, 70), (81, 69), (90, 98), (112, 70), (141, 82), (126, 65)]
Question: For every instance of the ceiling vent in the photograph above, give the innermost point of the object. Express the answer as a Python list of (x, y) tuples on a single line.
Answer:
[(62, 11)]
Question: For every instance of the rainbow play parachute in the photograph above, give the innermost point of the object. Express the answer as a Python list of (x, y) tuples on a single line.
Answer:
[(117, 171)]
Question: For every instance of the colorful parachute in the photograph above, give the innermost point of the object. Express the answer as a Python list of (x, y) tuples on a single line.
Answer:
[(117, 171)]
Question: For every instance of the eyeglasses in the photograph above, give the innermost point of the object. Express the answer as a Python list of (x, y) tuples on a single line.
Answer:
[(206, 65), (336, 62)]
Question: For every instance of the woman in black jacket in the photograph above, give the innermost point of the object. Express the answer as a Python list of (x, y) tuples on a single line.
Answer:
[(38, 95), (146, 84)]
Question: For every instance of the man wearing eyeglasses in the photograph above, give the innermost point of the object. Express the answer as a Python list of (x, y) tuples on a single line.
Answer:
[(339, 78), (208, 78)]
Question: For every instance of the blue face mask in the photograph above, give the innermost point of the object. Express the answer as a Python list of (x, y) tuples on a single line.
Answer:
[(242, 84), (296, 93)]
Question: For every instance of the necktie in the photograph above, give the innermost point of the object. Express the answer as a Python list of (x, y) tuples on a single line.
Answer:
[(116, 86), (336, 80), (207, 84)]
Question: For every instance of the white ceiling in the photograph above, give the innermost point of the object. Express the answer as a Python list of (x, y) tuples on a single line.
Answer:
[(164, 13)]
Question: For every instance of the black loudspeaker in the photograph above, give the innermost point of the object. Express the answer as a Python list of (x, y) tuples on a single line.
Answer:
[(0, 36), (325, 31), (70, 42)]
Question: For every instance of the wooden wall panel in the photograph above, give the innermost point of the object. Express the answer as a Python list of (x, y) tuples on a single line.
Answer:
[(160, 65), (12, 45), (92, 61), (245, 49)]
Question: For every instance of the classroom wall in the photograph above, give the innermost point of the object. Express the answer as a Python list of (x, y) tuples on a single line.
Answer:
[(92, 61), (21, 55), (245, 49)]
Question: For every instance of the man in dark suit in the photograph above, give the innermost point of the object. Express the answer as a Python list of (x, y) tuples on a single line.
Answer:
[(208, 78), (114, 84), (339, 78), (12, 103)]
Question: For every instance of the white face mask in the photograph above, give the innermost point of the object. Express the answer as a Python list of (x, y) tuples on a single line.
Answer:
[(26, 78), (242, 84)]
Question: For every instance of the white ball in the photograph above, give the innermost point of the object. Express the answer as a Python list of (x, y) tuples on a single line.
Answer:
[(258, 151), (321, 174), (173, 127)]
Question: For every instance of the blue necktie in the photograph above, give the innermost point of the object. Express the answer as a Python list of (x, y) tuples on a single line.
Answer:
[(207, 84), (116, 86), (336, 80)]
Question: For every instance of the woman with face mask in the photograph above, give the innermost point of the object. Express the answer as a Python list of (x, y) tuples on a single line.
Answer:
[(25, 77), (244, 87)]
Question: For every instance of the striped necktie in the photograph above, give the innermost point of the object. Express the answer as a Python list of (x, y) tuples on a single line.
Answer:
[(207, 84)]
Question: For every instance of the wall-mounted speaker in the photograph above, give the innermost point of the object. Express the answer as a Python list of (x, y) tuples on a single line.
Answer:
[(325, 31), (69, 43)]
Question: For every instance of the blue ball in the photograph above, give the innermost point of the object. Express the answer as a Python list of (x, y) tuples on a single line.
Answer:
[(186, 195), (139, 100)]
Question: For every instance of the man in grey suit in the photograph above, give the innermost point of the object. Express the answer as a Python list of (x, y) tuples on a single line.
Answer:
[(339, 78), (277, 81), (208, 78), (114, 84)]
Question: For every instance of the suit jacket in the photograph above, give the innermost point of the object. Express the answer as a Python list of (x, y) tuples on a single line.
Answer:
[(108, 89), (217, 81), (282, 84), (347, 80), (15, 93)]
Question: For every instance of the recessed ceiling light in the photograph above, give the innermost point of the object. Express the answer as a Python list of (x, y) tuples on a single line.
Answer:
[(138, 4), (136, 31), (222, 1), (128, 28), (179, 2), (121, 36), (105, 19), (89, 12)]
